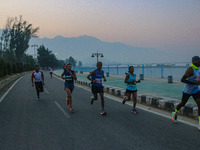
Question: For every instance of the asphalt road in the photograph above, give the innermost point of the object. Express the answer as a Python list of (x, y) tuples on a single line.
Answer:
[(28, 124)]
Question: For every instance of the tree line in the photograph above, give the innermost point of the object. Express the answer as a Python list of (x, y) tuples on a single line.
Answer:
[(14, 43)]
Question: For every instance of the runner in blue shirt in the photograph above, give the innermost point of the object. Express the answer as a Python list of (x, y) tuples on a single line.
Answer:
[(131, 88), (96, 80)]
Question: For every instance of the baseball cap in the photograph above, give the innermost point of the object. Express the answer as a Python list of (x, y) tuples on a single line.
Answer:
[(195, 58)]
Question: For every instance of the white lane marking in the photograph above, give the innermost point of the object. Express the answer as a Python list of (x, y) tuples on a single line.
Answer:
[(62, 110), (156, 113), (9, 90), (46, 91)]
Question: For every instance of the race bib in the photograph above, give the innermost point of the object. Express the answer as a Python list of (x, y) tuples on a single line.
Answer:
[(98, 81)]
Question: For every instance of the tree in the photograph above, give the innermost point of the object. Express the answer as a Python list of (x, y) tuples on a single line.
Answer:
[(72, 61), (61, 63), (46, 58), (9, 69), (14, 68), (15, 37), (80, 64), (2, 67)]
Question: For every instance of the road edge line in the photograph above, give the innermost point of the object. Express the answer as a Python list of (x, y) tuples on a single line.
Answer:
[(9, 89)]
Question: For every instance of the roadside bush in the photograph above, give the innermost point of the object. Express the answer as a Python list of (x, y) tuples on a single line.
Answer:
[(2, 67), (9, 69), (14, 68)]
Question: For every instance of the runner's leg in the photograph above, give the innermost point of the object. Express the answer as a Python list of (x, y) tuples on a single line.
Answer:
[(134, 99), (37, 89), (128, 96), (69, 97), (198, 105), (184, 100)]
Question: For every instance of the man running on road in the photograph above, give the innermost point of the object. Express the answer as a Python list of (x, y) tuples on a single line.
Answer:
[(96, 80), (50, 72), (38, 77), (192, 80), (69, 77)]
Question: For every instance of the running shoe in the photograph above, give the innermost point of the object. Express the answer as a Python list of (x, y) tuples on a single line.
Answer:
[(71, 109), (91, 101), (124, 100), (174, 117), (134, 111), (103, 113)]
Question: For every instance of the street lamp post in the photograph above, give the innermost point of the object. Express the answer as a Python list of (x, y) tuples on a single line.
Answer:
[(34, 48), (97, 55)]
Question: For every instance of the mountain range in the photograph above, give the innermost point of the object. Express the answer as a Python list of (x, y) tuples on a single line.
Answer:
[(82, 47)]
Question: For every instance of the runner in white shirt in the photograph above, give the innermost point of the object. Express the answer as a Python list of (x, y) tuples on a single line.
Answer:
[(38, 77), (51, 72)]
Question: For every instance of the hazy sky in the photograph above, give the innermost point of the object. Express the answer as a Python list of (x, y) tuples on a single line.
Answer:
[(161, 24)]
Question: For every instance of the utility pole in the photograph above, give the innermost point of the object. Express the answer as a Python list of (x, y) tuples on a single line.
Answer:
[(34, 46)]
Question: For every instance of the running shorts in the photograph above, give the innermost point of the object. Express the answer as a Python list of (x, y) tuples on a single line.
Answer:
[(130, 92), (69, 86), (97, 89), (186, 96), (39, 86)]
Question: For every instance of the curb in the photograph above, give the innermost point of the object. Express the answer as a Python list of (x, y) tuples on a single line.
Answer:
[(189, 110)]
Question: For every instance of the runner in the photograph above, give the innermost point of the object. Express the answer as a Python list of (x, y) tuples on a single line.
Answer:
[(38, 77), (131, 88), (51, 72), (96, 80), (192, 80), (69, 77)]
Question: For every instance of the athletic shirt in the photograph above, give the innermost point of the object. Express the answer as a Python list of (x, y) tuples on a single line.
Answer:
[(191, 88), (131, 86), (68, 77), (98, 77), (37, 76)]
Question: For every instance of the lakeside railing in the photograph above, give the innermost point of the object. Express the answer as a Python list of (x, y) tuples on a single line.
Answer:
[(154, 70)]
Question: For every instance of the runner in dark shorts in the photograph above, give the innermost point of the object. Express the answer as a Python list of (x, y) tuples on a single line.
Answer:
[(192, 80), (131, 88), (96, 80), (38, 77), (69, 76)]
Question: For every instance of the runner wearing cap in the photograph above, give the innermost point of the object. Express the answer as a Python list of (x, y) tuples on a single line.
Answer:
[(192, 80)]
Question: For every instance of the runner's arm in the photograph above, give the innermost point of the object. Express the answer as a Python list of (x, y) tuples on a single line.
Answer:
[(104, 77), (42, 78), (138, 81), (91, 74), (62, 75), (189, 72), (126, 79), (32, 80), (74, 76), (32, 76)]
